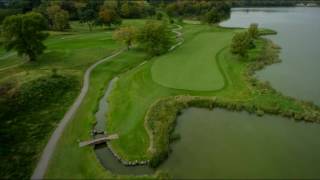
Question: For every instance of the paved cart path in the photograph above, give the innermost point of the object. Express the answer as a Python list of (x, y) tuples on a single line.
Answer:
[(50, 147)]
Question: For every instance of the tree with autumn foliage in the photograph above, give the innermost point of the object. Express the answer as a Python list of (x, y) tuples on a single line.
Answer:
[(109, 17), (126, 35)]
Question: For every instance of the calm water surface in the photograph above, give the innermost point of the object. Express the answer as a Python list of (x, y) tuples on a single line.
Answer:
[(222, 144), (299, 36)]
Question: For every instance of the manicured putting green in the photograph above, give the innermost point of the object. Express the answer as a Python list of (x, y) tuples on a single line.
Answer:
[(193, 66)]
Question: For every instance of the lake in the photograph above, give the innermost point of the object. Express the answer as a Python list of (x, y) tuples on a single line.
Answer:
[(223, 144), (298, 35)]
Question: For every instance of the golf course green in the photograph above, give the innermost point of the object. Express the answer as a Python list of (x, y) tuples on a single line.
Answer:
[(193, 66)]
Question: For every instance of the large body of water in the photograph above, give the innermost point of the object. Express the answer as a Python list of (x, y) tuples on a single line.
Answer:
[(298, 35), (222, 144)]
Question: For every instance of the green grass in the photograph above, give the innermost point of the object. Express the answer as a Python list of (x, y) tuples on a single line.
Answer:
[(138, 89), (193, 66), (70, 161), (71, 53)]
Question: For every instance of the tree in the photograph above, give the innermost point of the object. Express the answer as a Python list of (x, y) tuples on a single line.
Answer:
[(88, 16), (108, 17), (126, 35), (253, 31), (154, 37), (59, 18), (241, 44), (125, 10), (159, 16), (24, 33), (212, 16), (70, 6)]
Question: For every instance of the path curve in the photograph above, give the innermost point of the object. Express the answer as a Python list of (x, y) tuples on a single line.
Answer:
[(179, 37), (50, 147), (43, 163)]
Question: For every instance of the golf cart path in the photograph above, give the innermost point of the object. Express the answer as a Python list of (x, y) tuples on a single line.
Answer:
[(50, 147), (43, 163)]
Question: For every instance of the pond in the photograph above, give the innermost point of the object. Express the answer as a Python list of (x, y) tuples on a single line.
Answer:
[(223, 144)]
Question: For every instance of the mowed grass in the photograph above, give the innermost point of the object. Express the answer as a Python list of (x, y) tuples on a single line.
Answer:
[(69, 161), (136, 91), (193, 66), (132, 95)]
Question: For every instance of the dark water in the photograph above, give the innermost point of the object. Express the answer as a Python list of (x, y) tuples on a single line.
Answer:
[(299, 36), (223, 144), (103, 153)]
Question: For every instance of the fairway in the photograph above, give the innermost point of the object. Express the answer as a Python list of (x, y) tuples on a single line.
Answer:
[(193, 66)]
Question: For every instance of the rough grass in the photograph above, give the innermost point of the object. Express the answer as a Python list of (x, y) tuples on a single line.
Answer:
[(193, 66), (70, 53), (70, 161), (28, 114)]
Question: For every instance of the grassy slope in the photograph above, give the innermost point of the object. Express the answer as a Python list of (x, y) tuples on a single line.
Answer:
[(68, 52), (70, 161), (193, 66)]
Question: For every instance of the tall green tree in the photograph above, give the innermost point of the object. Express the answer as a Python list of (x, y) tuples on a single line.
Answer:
[(212, 16), (154, 38), (241, 43), (253, 31), (90, 13), (59, 18), (24, 33), (70, 6), (88, 16)]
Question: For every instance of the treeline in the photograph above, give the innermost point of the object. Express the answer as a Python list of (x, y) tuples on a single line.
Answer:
[(93, 12), (110, 12), (270, 3), (208, 11), (251, 3)]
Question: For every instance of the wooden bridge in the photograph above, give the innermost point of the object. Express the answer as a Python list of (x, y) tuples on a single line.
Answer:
[(99, 140)]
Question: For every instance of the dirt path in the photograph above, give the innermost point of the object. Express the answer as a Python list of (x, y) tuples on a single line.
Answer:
[(50, 147)]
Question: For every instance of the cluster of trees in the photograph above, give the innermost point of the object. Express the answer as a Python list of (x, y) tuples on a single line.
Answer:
[(208, 11), (268, 3), (154, 37), (243, 41), (110, 12), (92, 12)]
